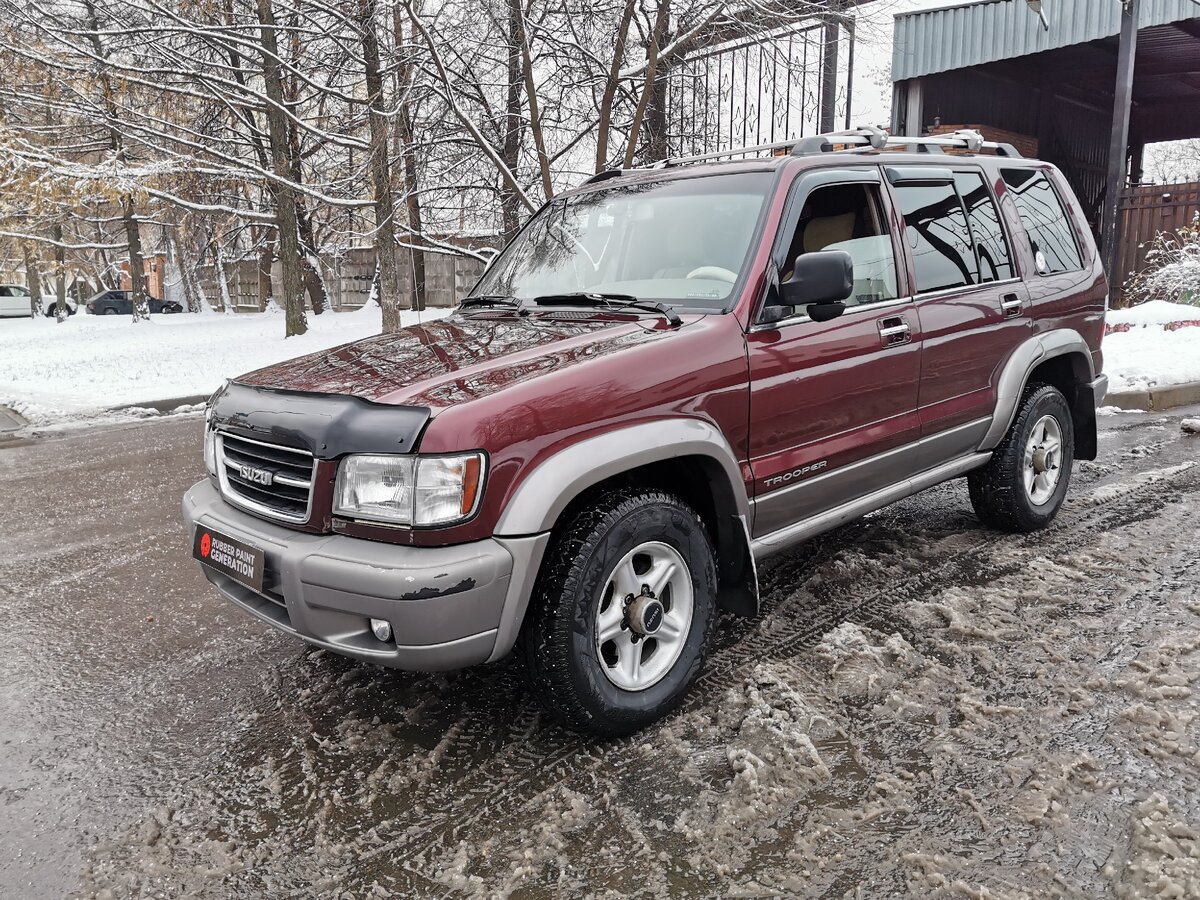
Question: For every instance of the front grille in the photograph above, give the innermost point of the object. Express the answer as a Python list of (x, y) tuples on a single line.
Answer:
[(289, 471)]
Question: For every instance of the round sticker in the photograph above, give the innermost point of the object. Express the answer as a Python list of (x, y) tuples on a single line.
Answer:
[(205, 544)]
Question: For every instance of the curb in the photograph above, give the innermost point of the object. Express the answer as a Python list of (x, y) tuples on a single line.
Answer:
[(163, 406), (1167, 397)]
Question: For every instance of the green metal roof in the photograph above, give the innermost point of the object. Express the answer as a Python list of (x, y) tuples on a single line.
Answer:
[(939, 40)]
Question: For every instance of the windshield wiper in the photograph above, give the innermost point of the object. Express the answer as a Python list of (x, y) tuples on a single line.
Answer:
[(495, 300), (610, 301)]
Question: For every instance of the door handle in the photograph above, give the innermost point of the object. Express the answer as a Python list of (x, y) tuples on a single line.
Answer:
[(894, 331), (1011, 305)]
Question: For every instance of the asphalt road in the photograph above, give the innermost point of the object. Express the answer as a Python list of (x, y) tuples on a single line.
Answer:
[(925, 707)]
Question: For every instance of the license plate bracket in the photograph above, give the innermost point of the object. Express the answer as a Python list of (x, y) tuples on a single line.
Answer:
[(235, 559)]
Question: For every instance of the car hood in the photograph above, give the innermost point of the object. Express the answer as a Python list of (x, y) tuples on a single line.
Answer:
[(458, 358)]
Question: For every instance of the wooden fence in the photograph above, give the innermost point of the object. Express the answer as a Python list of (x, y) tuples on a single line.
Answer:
[(347, 278), (1147, 211)]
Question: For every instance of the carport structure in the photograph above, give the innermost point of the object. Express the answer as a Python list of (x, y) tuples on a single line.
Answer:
[(1088, 94)]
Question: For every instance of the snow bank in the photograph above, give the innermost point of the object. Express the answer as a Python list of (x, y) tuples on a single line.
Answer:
[(1155, 312), (52, 373), (1149, 357)]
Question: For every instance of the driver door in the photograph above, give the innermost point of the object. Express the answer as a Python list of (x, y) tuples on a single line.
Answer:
[(833, 405)]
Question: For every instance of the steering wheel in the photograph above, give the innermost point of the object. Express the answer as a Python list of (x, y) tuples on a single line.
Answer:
[(715, 273)]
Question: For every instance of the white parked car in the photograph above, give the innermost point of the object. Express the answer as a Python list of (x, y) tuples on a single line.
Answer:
[(14, 302)]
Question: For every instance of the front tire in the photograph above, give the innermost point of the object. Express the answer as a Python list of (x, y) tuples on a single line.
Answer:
[(1023, 487), (622, 612)]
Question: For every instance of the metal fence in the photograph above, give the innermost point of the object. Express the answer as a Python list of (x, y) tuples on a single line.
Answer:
[(762, 90)]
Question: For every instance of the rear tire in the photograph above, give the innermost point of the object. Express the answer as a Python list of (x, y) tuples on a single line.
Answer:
[(1024, 486), (597, 662)]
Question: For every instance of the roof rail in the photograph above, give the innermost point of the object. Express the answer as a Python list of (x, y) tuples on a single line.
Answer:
[(863, 137)]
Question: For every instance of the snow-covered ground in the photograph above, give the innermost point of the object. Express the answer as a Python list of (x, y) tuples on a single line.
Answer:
[(52, 373), (1148, 355)]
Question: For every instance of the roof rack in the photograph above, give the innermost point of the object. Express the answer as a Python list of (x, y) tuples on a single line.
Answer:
[(864, 136)]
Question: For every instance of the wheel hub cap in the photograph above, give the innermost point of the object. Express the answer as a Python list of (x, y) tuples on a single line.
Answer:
[(643, 616), (1043, 460)]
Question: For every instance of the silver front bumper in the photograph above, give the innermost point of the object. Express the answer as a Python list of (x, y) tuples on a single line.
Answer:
[(446, 605)]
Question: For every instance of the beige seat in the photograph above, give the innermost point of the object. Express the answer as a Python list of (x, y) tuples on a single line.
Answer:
[(825, 230)]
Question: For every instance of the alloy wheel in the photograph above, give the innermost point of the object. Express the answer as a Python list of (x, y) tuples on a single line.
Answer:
[(644, 616)]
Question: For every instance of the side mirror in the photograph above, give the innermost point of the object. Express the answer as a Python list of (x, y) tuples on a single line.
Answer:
[(820, 281)]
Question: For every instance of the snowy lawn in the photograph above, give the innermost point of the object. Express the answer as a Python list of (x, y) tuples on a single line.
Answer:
[(51, 373), (1148, 355)]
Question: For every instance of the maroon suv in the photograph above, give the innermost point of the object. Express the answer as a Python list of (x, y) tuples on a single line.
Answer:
[(668, 375)]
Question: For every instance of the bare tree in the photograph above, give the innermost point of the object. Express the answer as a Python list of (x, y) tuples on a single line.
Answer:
[(285, 197)]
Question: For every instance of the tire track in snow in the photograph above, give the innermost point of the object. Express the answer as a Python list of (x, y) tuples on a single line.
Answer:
[(745, 645)]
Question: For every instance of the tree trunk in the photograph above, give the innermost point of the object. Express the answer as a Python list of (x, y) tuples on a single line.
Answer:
[(510, 203), (223, 281), (413, 204), (408, 153), (656, 38), (656, 112), (60, 274), (191, 296), (535, 119), (610, 88), (314, 284), (33, 279), (381, 172), (285, 206), (137, 265), (266, 260)]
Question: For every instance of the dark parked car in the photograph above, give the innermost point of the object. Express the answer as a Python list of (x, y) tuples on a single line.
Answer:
[(113, 303), (669, 375)]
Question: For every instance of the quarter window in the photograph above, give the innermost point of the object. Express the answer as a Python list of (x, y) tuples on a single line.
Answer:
[(849, 217), (935, 226), (1051, 237), (991, 251)]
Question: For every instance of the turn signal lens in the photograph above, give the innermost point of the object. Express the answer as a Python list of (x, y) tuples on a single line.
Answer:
[(210, 444), (447, 488)]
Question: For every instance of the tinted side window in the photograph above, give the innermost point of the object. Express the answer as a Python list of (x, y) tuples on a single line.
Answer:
[(849, 217), (991, 250), (5, 292), (1045, 220), (938, 236)]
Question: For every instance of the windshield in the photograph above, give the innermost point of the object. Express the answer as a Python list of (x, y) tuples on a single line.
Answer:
[(684, 242)]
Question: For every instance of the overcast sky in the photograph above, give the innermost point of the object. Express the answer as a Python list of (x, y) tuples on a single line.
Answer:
[(872, 77)]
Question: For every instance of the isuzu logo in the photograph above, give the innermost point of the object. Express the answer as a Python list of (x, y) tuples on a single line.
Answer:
[(256, 475)]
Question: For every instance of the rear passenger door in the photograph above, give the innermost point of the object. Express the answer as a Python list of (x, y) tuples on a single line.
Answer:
[(833, 404), (1061, 263), (972, 306)]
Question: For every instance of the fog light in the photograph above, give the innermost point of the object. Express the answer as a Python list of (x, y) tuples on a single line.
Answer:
[(382, 629)]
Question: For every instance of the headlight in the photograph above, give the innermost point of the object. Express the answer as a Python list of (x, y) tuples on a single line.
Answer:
[(210, 444), (409, 490)]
